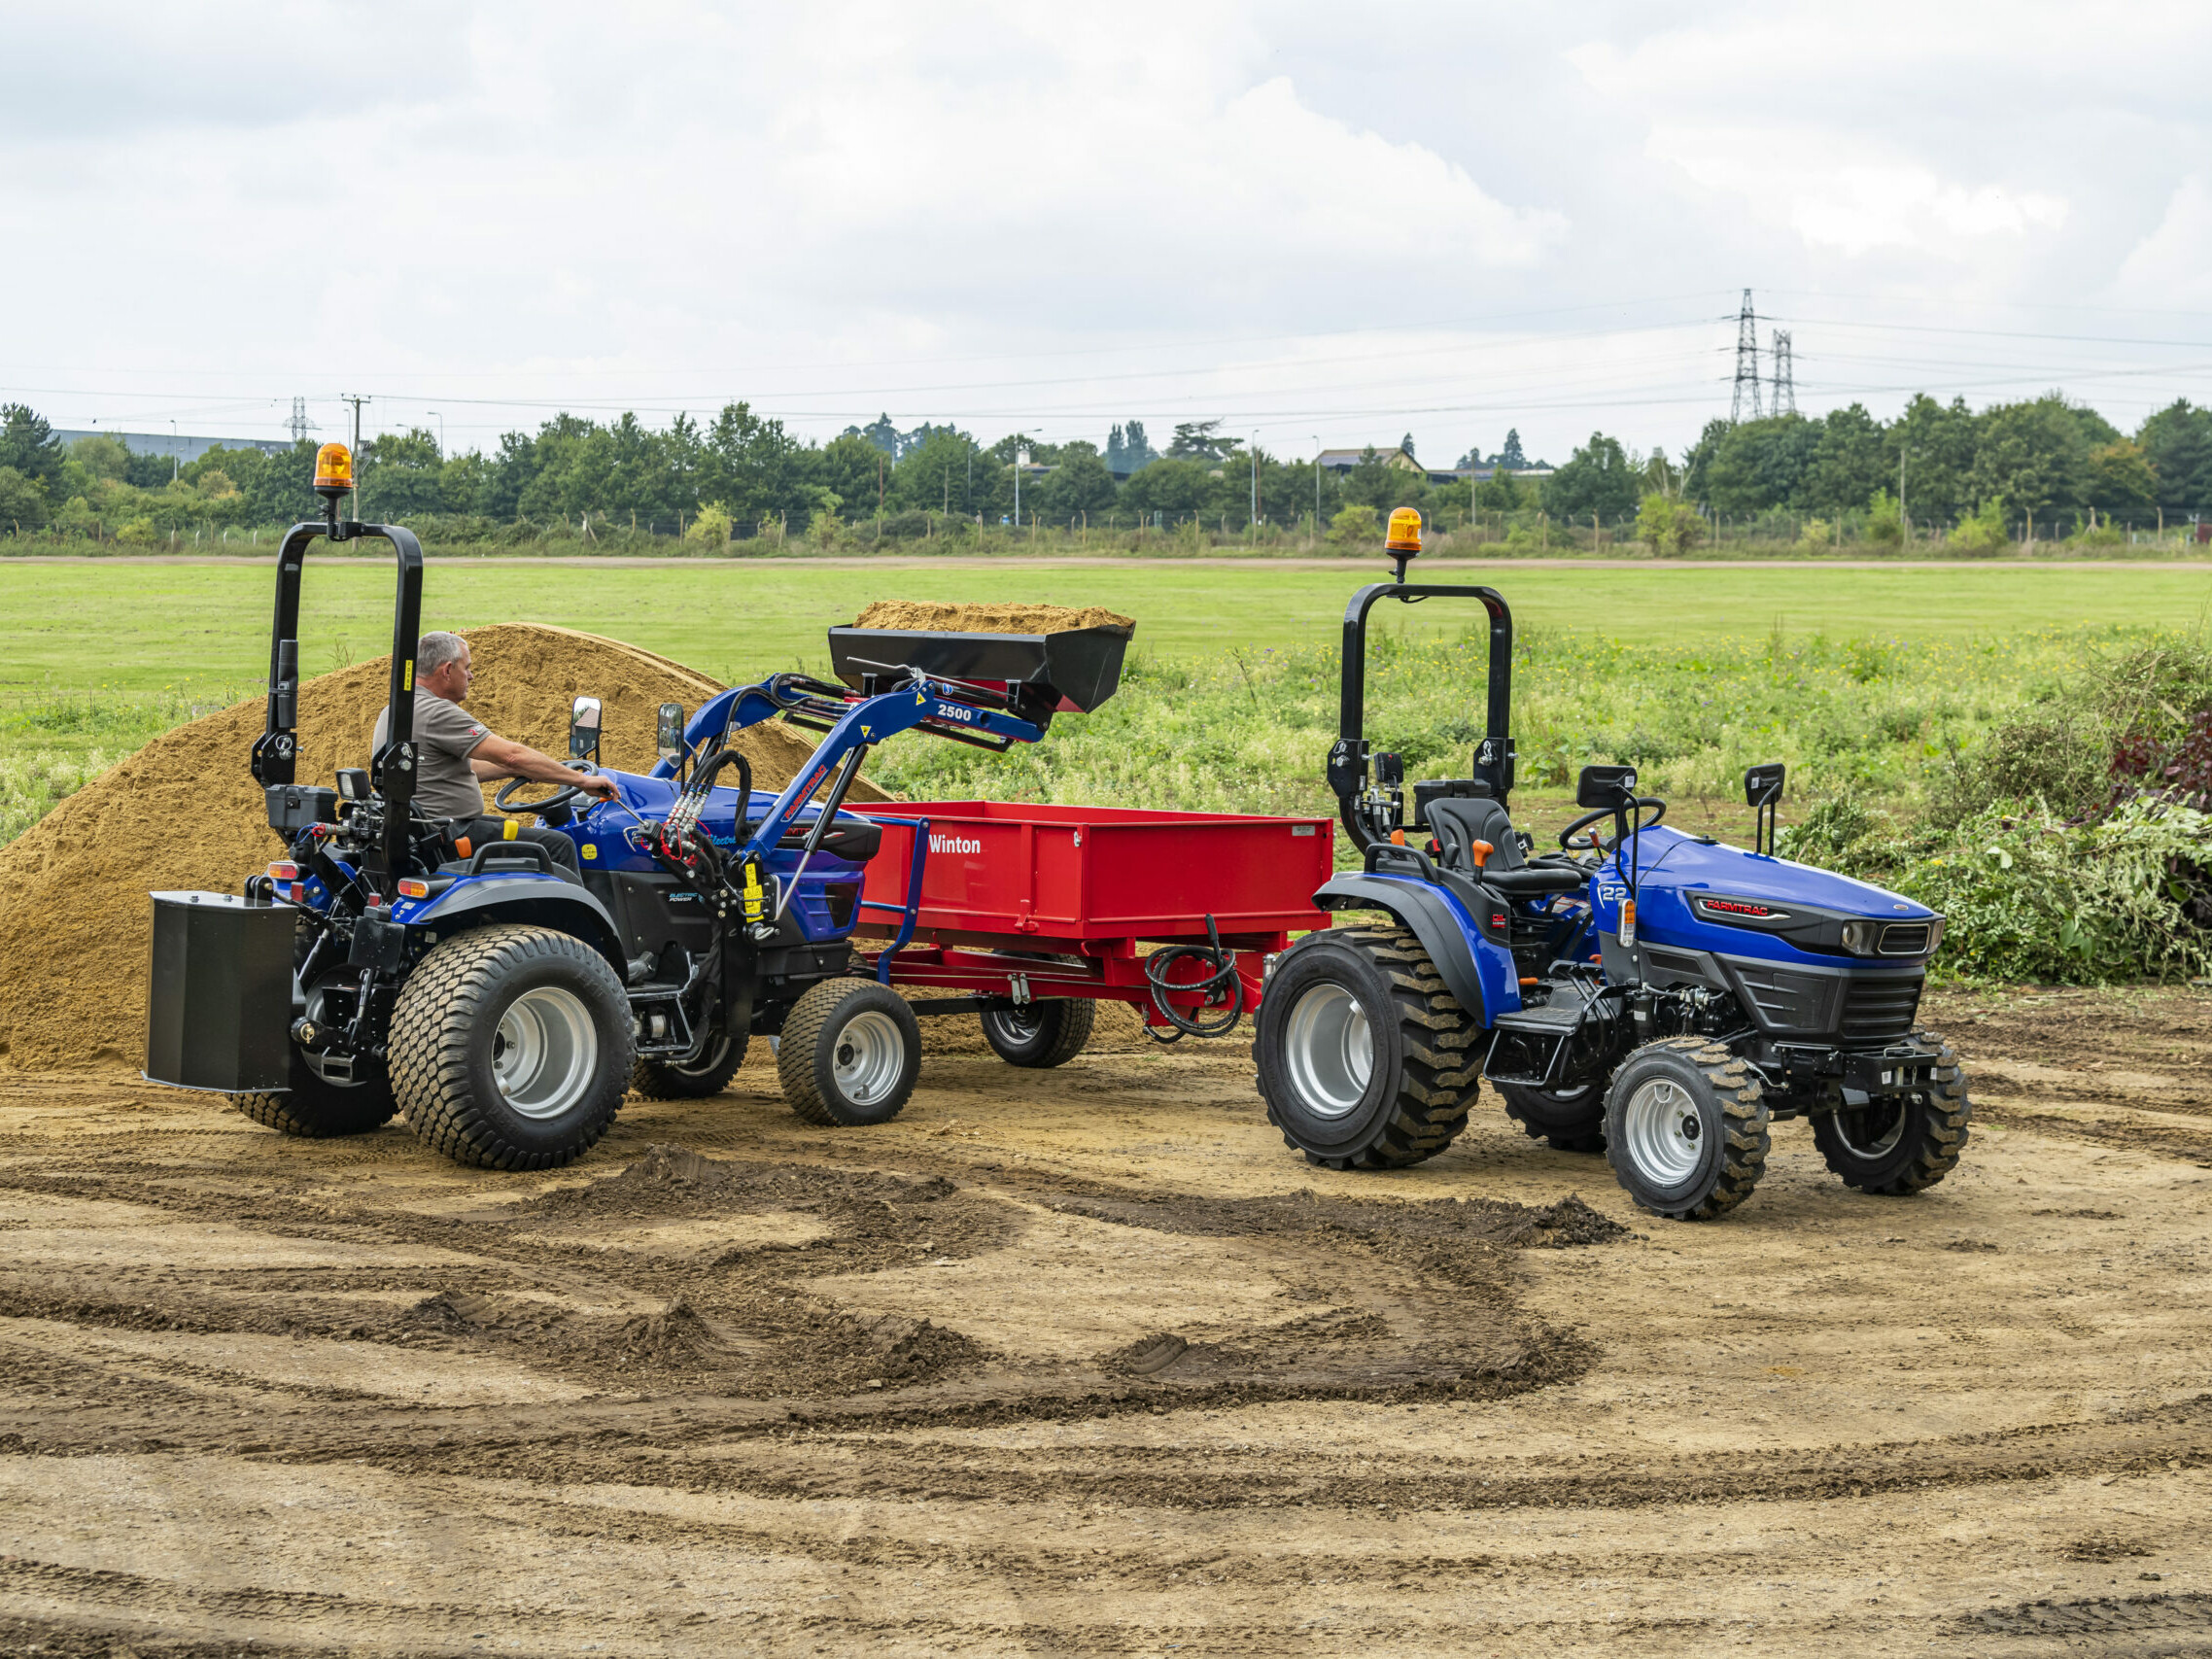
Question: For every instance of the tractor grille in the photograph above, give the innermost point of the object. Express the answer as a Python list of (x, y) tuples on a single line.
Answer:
[(1905, 939), (1876, 1010)]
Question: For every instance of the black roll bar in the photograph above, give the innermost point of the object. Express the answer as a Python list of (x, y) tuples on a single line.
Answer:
[(1348, 756), (392, 769)]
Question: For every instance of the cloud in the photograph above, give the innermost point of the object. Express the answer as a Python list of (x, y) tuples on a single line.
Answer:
[(1050, 216), (2173, 266)]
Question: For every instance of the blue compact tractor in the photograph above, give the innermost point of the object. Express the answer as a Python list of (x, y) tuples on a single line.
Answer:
[(504, 1004), (1635, 989)]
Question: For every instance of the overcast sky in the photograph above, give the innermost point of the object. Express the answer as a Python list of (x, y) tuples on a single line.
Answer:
[(1315, 221)]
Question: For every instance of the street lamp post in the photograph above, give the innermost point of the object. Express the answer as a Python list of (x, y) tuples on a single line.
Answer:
[(440, 433), (176, 458), (1256, 483), (1317, 485), (1904, 518)]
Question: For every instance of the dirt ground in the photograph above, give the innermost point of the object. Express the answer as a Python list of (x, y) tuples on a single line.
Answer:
[(1086, 1363)]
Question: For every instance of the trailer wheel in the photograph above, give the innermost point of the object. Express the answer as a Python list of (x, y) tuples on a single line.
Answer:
[(511, 1047), (1686, 1129), (315, 1108), (1900, 1143), (1365, 1060), (663, 1079), (1040, 1034), (850, 1054), (1571, 1119)]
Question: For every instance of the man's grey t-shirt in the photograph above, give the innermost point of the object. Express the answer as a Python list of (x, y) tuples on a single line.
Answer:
[(446, 735)]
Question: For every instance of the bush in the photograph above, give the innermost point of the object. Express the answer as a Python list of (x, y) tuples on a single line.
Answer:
[(1667, 525), (2031, 897), (712, 527), (1982, 531), (1817, 535), (1355, 524), (1885, 521)]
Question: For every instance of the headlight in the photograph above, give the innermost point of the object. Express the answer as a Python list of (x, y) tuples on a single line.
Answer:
[(1935, 934), (1859, 937)]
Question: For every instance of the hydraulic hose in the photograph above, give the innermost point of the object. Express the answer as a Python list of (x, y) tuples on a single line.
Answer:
[(1223, 977)]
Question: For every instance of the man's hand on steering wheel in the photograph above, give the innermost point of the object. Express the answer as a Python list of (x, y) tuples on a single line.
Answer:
[(589, 780)]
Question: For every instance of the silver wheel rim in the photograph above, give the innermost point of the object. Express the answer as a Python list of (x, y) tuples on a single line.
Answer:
[(544, 1053), (870, 1055), (1330, 1049), (1665, 1133)]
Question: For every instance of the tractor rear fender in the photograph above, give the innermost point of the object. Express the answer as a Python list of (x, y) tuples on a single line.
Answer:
[(1479, 973), (537, 901)]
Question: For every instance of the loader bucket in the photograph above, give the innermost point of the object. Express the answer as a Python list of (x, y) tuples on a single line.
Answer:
[(1077, 671)]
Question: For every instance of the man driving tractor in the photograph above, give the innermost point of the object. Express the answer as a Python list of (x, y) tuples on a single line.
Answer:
[(457, 755)]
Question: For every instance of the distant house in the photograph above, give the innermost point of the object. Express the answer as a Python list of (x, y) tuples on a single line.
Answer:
[(182, 448), (1344, 460), (1483, 475)]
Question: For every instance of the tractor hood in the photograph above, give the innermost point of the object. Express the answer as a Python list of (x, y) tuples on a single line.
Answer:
[(1729, 871), (1703, 895)]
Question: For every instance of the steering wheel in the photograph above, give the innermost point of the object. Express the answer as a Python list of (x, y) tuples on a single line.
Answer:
[(1567, 835), (561, 798)]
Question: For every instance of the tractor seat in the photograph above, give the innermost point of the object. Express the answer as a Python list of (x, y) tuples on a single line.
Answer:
[(1459, 823), (1533, 881)]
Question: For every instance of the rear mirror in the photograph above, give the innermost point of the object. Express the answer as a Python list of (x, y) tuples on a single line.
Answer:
[(584, 728), (668, 732), (1762, 793), (1605, 787)]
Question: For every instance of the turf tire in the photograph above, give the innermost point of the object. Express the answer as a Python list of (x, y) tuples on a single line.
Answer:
[(447, 1032), (1423, 1060), (1905, 1144), (1039, 1034), (658, 1080), (314, 1110), (1714, 1163), (832, 1057), (1571, 1119)]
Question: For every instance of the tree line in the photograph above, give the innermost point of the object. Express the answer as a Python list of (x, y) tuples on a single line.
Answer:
[(1935, 467)]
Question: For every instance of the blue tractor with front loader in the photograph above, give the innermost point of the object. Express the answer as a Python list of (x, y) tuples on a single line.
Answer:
[(506, 1005), (1647, 992)]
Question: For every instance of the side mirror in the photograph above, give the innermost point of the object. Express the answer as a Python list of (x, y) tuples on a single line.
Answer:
[(1762, 793), (1605, 787), (583, 729), (353, 785), (668, 732)]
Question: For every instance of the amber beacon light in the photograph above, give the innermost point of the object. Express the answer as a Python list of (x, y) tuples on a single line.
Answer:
[(334, 473), (1404, 541)]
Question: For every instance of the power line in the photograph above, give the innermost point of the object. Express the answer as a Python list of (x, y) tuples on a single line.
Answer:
[(1746, 363)]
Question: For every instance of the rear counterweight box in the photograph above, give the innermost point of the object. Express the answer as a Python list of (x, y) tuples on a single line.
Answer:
[(219, 993)]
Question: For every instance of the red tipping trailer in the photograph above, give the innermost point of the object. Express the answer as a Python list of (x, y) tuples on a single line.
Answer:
[(973, 893)]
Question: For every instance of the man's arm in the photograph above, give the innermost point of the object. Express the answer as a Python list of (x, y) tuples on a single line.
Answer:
[(503, 757)]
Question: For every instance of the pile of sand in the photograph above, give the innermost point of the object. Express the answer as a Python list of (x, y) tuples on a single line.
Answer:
[(184, 811), (930, 617)]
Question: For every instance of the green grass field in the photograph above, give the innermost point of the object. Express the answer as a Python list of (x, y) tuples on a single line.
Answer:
[(143, 628), (1881, 688)]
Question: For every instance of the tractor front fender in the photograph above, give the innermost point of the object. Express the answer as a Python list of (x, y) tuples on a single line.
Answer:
[(1478, 973), (537, 901)]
